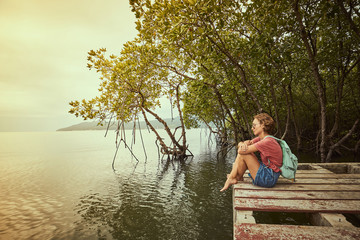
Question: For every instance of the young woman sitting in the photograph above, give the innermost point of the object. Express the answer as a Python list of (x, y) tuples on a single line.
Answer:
[(264, 172)]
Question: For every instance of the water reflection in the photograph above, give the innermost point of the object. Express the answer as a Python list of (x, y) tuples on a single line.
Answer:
[(181, 201), (61, 186)]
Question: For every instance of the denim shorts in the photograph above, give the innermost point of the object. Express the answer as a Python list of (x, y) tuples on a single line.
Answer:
[(265, 176)]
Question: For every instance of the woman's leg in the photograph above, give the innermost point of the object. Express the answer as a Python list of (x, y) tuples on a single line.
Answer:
[(242, 162)]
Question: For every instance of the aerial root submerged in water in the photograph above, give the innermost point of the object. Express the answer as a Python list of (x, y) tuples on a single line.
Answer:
[(173, 152), (120, 131)]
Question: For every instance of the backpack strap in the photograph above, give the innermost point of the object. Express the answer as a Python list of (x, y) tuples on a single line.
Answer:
[(263, 139), (271, 136)]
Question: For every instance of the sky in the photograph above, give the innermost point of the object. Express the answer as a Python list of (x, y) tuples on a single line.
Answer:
[(43, 57)]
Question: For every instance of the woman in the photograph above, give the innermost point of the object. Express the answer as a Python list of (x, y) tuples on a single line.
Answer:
[(264, 172)]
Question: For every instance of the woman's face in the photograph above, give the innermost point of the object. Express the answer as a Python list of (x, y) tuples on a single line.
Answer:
[(257, 127)]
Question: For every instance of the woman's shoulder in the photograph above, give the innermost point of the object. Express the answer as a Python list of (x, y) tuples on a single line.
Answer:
[(268, 140), (272, 142), (255, 140)]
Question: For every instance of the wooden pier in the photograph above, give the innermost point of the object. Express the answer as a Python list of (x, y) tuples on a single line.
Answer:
[(323, 191)]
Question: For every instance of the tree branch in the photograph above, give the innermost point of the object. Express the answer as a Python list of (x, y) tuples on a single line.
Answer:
[(336, 145)]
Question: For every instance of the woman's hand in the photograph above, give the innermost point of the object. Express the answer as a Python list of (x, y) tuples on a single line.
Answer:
[(242, 146)]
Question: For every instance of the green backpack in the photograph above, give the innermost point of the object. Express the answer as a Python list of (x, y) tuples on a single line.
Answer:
[(290, 161)]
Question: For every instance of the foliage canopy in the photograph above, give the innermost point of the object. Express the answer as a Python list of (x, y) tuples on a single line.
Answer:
[(228, 60)]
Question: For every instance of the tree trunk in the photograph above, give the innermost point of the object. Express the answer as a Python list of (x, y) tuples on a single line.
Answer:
[(297, 132), (182, 149), (349, 19), (357, 150), (273, 96), (183, 132), (244, 116), (239, 69), (320, 88), (164, 147), (287, 115), (336, 145), (227, 110), (341, 75)]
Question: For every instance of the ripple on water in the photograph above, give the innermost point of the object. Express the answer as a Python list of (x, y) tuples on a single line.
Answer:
[(33, 216), (66, 190)]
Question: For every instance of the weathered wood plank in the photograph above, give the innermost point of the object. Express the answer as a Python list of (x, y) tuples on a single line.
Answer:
[(269, 231), (314, 175), (328, 165), (298, 195), (284, 205), (315, 181), (340, 167), (300, 187), (320, 170), (327, 175), (316, 190), (320, 181), (330, 220), (243, 217)]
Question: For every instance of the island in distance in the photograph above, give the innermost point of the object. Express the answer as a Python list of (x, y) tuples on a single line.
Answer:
[(172, 123)]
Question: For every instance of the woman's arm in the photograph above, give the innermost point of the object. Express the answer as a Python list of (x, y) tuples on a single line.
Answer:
[(246, 149), (248, 142), (245, 143)]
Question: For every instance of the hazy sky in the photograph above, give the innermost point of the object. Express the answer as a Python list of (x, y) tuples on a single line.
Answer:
[(43, 52)]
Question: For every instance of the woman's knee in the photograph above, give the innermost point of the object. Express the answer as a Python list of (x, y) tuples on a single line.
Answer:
[(249, 157), (244, 156), (240, 158)]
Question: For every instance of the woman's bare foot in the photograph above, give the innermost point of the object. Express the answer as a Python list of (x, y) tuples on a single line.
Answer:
[(228, 183)]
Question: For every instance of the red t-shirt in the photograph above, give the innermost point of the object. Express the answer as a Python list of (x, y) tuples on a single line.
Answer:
[(270, 149)]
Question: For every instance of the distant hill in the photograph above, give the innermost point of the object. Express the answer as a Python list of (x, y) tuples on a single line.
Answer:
[(172, 123)]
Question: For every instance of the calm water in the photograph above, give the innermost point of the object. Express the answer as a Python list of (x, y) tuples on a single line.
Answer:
[(60, 185)]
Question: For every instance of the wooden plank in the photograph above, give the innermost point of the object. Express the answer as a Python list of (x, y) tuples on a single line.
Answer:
[(321, 175), (320, 181), (330, 220), (327, 165), (270, 231), (315, 181), (316, 190), (327, 175), (354, 169), (299, 187), (320, 170), (284, 205), (243, 217), (340, 167), (302, 195)]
